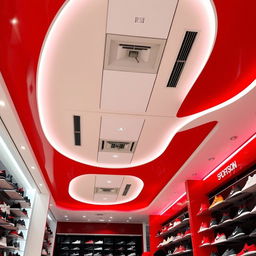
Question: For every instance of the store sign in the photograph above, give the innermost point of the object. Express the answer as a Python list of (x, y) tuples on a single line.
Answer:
[(229, 169)]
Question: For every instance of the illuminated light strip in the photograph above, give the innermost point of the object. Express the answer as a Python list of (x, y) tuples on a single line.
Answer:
[(172, 204), (13, 160), (227, 159)]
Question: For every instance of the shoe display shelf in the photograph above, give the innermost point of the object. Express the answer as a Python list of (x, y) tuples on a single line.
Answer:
[(48, 241), (175, 235), (225, 219), (15, 209), (97, 245)]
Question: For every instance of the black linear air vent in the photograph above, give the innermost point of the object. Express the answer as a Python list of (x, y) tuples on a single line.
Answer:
[(126, 189), (185, 48), (135, 47), (77, 130), (117, 146)]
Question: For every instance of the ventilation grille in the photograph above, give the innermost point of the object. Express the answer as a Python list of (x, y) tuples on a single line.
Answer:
[(186, 46), (126, 189), (101, 190), (117, 146), (134, 47), (77, 130)]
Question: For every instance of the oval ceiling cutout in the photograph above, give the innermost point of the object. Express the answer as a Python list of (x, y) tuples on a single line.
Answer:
[(116, 106), (105, 189)]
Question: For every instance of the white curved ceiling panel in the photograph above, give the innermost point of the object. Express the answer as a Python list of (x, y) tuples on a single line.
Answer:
[(72, 79)]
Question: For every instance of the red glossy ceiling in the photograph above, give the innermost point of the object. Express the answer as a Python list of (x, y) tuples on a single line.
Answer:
[(229, 70)]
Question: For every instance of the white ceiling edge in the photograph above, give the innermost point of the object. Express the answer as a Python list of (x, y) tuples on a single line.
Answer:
[(12, 122), (42, 78)]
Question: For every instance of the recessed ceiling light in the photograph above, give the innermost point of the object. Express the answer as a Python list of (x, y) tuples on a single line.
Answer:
[(67, 219), (51, 205), (130, 218), (23, 147), (115, 156), (14, 21), (66, 216), (101, 220), (127, 221), (84, 216), (109, 181), (2, 103), (211, 158), (111, 217), (109, 220), (121, 129), (40, 184), (233, 138), (33, 167), (105, 198)]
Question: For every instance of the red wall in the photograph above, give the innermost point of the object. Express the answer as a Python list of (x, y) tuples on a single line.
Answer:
[(99, 228)]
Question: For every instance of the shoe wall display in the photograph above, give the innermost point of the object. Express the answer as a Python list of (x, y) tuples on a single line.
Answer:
[(97, 245), (175, 235), (227, 226), (48, 241)]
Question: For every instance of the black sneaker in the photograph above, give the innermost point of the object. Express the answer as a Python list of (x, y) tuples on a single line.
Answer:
[(213, 223), (234, 191), (253, 233), (229, 252), (236, 233), (225, 218), (241, 212)]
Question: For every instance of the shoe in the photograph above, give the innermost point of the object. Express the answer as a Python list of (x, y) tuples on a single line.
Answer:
[(75, 248), (253, 233), (170, 226), (76, 242), (188, 248), (250, 182), (131, 243), (13, 233), (178, 236), (236, 233), (97, 254), (44, 252), (99, 242), (225, 218), (204, 226), (234, 191), (64, 248), (205, 241), (89, 242), (88, 254), (131, 254), (74, 254), (253, 210), (202, 209), (213, 223), (163, 230), (98, 249), (229, 252), (179, 249), (187, 232), (217, 200), (220, 238), (241, 212), (132, 248), (176, 222), (248, 250)]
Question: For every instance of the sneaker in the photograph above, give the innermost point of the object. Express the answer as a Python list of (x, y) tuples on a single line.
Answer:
[(204, 226), (248, 250), (64, 248), (236, 233), (176, 222), (234, 191), (98, 249), (205, 241), (170, 226), (202, 209), (131, 254), (132, 248), (88, 254), (229, 252), (131, 243), (225, 218), (187, 233), (217, 200), (179, 236), (220, 238), (163, 230), (75, 248), (99, 242), (250, 182), (185, 217), (76, 242), (241, 212), (213, 223), (253, 233), (89, 242)]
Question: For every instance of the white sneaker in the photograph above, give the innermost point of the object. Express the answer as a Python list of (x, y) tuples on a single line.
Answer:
[(250, 182), (76, 242), (99, 242), (3, 241)]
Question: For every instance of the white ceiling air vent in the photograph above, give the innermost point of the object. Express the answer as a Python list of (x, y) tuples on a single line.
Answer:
[(117, 146), (105, 189), (134, 54)]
